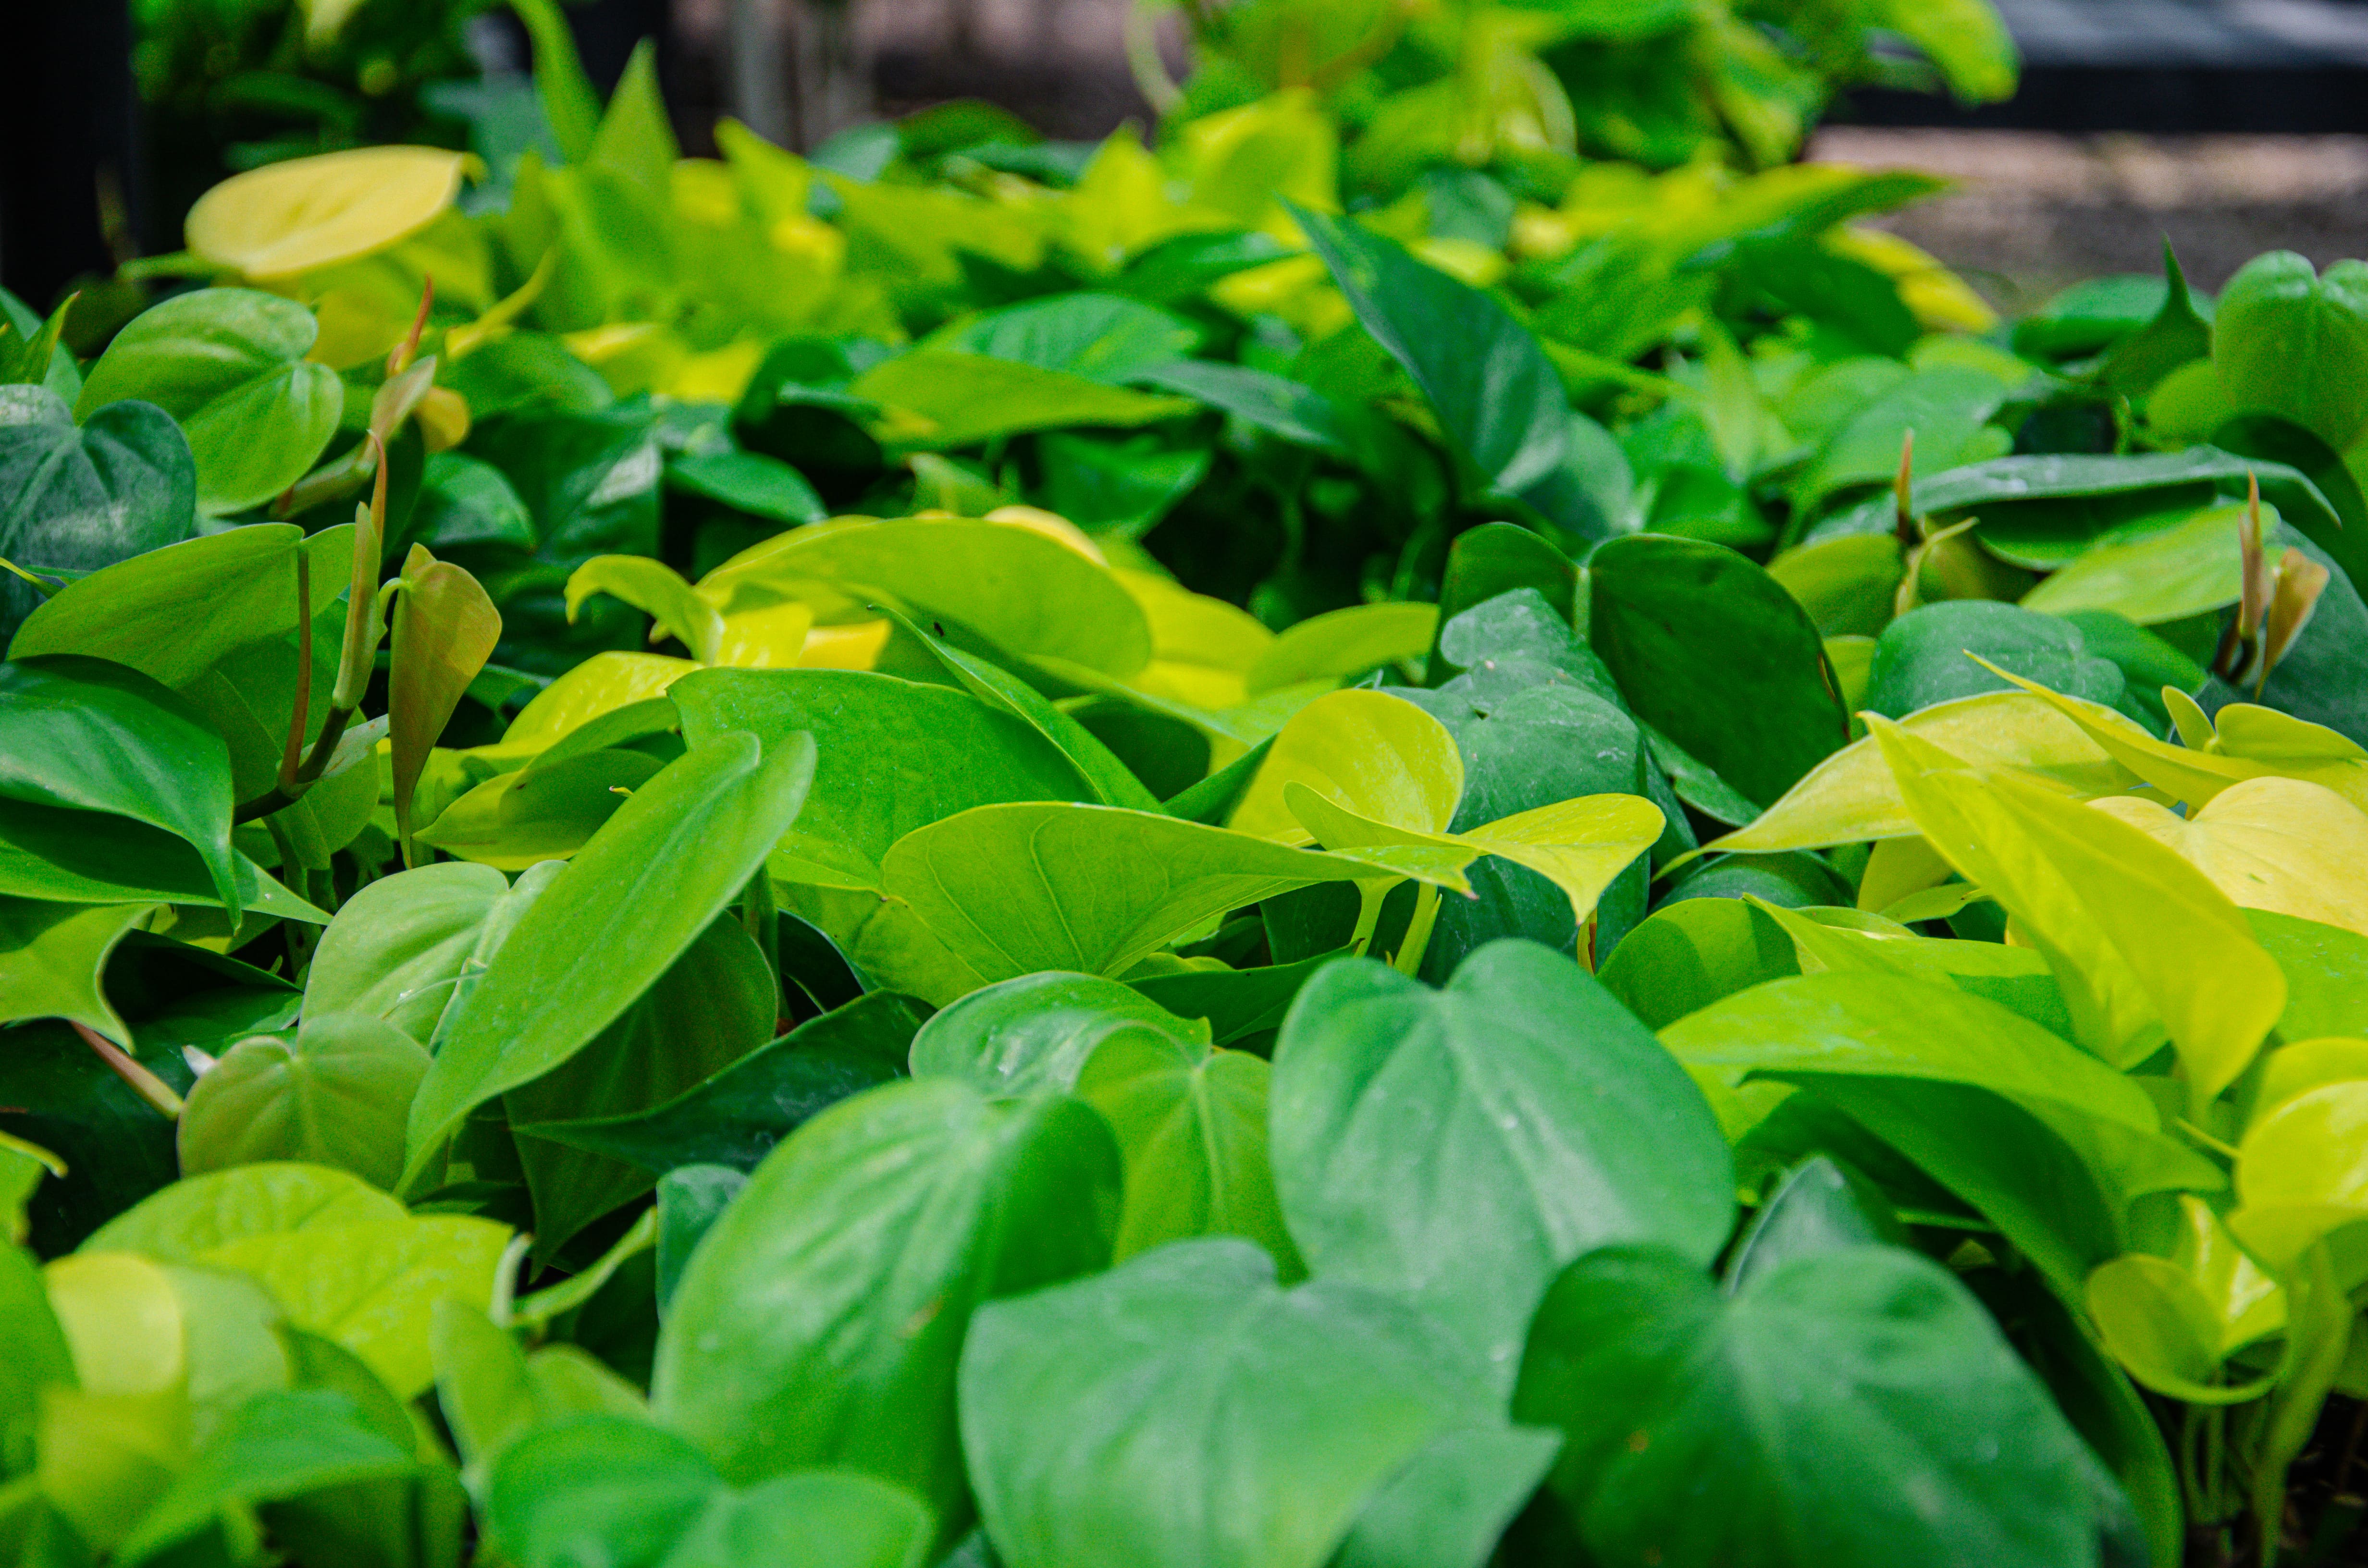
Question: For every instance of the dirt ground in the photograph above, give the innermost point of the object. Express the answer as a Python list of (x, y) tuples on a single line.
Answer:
[(2033, 212)]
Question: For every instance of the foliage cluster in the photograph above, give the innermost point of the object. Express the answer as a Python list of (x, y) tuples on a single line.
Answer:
[(1010, 853)]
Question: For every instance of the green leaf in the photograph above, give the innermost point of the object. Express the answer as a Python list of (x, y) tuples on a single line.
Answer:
[(80, 498), (229, 365), (820, 1319), (1022, 593), (751, 483), (735, 1117), (1407, 1120), (1448, 1508), (402, 947), (1711, 652), (892, 756), (655, 877), (1278, 406), (51, 956), (1692, 953), (634, 138), (1183, 1410), (2288, 341), (570, 106), (711, 1007), (1946, 408), (336, 1095), (1851, 1408), (1104, 774), (1014, 889), (1920, 659), (91, 736), (1103, 337), (1036, 1032), (590, 481), (193, 1217), (944, 399), (1820, 1206), (40, 1358), (136, 612), (639, 1496), (2177, 335), (1192, 1124), (1494, 389)]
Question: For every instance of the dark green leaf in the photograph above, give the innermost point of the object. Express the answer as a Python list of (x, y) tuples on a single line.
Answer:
[(80, 498)]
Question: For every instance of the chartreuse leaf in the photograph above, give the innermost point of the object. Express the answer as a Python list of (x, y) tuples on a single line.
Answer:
[(1036, 1032), (305, 214), (2139, 939), (492, 1392), (659, 592), (1850, 1407), (570, 105), (335, 1095), (892, 756), (1344, 642), (2302, 1176), (341, 1259), (1711, 652), (1377, 755), (1022, 592), (1105, 1420), (1459, 1147), (1191, 1128), (1013, 889), (547, 811), (634, 1493), (92, 736), (654, 878), (51, 956), (2258, 742), (229, 365), (1852, 796), (136, 612), (2172, 1322), (820, 1319), (2281, 845)]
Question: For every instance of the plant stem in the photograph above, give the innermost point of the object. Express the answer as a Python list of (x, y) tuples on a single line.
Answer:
[(1417, 936), (144, 1084)]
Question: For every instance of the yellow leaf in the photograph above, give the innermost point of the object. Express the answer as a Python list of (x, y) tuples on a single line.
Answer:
[(605, 682), (1580, 846), (122, 1321), (2253, 742), (2283, 844), (775, 637), (2302, 1173), (2136, 936), (1852, 797), (1378, 756), (2306, 1065), (307, 213)]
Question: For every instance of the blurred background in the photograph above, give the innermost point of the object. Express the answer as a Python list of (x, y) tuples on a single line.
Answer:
[(2229, 126)]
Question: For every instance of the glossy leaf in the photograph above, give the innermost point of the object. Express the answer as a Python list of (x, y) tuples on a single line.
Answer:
[(820, 1319), (697, 832), (1853, 1407), (85, 496), (229, 365), (1404, 1119), (1182, 1409), (336, 1095)]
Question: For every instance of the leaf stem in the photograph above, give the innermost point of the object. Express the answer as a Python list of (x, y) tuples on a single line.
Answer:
[(144, 1084), (1417, 936)]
